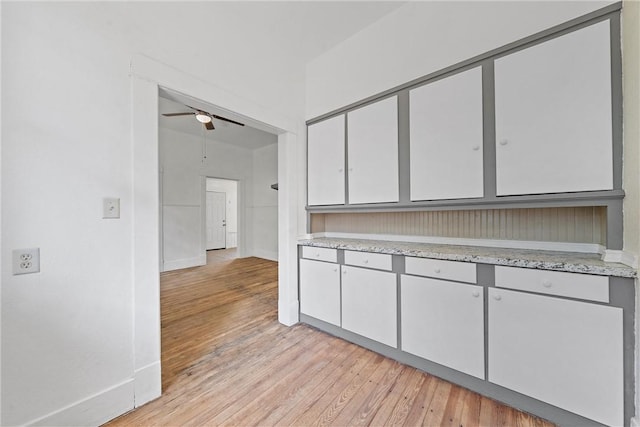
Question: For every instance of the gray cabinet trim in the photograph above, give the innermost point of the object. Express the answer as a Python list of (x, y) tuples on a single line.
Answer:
[(606, 12), (611, 199), (622, 294)]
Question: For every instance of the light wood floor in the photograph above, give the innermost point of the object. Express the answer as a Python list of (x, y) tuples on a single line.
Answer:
[(227, 361)]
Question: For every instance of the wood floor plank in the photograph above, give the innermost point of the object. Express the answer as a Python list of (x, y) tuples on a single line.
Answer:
[(400, 410), (227, 361)]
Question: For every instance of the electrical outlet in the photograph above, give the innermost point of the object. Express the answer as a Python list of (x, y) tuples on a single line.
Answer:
[(26, 261)]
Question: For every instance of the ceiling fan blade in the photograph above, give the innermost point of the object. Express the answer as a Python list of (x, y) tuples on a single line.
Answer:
[(177, 114), (227, 120), (209, 126)]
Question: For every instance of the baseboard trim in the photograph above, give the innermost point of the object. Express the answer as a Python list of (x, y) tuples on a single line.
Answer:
[(148, 384), (271, 256), (94, 410), (288, 314), (185, 263)]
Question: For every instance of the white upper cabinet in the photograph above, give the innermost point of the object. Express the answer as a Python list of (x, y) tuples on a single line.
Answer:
[(553, 115), (373, 152), (446, 138), (326, 181)]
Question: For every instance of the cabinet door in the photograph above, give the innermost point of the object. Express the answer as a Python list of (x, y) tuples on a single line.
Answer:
[(373, 153), (369, 304), (566, 353), (320, 290), (443, 322), (553, 115), (446, 138), (325, 165)]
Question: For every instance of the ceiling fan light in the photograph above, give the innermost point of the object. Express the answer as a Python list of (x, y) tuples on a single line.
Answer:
[(203, 118)]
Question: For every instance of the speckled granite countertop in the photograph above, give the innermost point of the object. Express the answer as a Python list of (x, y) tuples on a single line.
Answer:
[(542, 260)]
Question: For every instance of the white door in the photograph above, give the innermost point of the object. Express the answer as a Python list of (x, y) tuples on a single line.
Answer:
[(369, 304), (325, 165), (566, 353), (216, 220), (373, 152), (553, 115), (320, 290), (446, 138), (444, 322)]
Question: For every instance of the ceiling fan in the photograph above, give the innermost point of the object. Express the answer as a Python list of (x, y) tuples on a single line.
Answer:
[(203, 117)]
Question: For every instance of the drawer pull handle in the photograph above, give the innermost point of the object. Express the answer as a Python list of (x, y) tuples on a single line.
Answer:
[(437, 270), (497, 297), (504, 142), (476, 294), (547, 284)]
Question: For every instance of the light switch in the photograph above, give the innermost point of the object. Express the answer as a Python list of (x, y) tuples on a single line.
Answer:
[(110, 208)]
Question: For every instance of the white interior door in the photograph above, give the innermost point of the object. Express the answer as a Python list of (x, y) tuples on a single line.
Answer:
[(216, 220)]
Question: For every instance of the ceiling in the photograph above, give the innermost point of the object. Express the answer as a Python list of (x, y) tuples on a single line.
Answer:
[(303, 29), (229, 133), (307, 29)]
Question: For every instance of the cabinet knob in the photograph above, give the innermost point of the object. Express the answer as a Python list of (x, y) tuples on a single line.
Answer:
[(476, 147), (317, 254), (497, 297), (340, 170), (504, 141), (335, 270), (350, 169), (366, 261), (437, 270), (547, 284), (344, 271), (476, 294)]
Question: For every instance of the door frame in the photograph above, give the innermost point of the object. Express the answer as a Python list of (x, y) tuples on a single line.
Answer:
[(148, 77), (240, 213)]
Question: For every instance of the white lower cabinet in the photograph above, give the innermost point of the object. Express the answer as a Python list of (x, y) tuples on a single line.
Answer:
[(565, 353), (443, 322), (369, 304), (320, 290)]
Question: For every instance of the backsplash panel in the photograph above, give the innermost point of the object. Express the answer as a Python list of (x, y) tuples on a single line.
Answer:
[(576, 225)]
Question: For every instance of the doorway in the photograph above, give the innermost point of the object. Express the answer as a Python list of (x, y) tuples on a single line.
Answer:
[(221, 217), (148, 78)]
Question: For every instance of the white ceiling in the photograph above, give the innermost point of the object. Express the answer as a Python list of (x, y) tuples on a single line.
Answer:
[(302, 29), (229, 133), (306, 29)]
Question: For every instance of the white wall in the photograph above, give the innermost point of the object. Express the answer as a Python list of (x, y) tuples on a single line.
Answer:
[(265, 202), (184, 170), (423, 37), (68, 332), (230, 188)]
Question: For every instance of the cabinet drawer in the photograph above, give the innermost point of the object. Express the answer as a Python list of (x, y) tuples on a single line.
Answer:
[(574, 285), (320, 254), (368, 260), (450, 270)]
